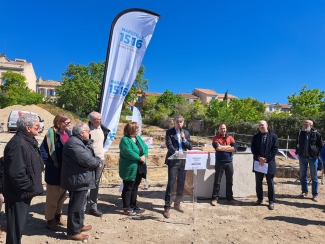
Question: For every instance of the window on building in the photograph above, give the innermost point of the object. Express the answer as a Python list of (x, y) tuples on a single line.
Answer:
[(213, 98), (271, 109), (139, 99)]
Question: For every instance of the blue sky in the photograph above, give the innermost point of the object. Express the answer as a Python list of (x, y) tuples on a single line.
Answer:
[(253, 48)]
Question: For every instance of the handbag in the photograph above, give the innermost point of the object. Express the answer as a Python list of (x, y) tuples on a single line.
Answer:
[(142, 167)]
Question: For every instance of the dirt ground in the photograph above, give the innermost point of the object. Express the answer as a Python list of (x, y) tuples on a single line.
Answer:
[(293, 220)]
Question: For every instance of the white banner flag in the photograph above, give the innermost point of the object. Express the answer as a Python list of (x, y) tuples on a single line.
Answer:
[(136, 117), (130, 35)]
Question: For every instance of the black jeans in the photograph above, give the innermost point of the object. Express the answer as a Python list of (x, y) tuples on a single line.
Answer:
[(175, 169), (76, 214), (16, 214), (259, 187), (221, 167), (130, 192)]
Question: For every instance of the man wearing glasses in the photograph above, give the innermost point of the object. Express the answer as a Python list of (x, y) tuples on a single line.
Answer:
[(79, 165), (98, 134), (22, 175)]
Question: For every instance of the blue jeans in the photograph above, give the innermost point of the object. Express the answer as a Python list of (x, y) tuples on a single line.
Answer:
[(313, 162)]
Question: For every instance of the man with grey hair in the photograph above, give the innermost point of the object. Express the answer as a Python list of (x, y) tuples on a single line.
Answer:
[(308, 146), (22, 175), (177, 140), (99, 135), (79, 165)]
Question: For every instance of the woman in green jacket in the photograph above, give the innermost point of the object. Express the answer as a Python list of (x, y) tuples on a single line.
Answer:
[(132, 167)]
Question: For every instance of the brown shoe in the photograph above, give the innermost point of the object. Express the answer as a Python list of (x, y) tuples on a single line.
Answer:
[(166, 213), (234, 202), (52, 225), (303, 195), (78, 237), (178, 208), (315, 199), (95, 213), (59, 220), (86, 228)]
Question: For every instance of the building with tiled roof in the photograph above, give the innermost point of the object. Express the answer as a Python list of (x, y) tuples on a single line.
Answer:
[(47, 87), (20, 66), (229, 96), (189, 97), (276, 107), (206, 95)]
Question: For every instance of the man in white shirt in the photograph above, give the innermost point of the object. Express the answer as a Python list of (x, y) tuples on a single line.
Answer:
[(99, 134)]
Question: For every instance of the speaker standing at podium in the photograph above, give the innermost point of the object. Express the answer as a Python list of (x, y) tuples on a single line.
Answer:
[(177, 139)]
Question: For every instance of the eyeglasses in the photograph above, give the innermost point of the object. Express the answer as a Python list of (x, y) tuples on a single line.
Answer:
[(88, 131), (36, 127), (66, 123)]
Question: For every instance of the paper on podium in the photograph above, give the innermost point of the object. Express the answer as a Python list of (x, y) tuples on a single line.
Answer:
[(178, 155), (263, 169), (196, 160)]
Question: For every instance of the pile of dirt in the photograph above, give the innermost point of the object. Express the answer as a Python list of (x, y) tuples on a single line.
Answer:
[(44, 114)]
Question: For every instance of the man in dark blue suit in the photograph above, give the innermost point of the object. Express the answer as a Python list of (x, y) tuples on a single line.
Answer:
[(177, 140), (265, 145)]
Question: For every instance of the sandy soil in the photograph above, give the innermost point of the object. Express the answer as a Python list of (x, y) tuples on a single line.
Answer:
[(293, 220)]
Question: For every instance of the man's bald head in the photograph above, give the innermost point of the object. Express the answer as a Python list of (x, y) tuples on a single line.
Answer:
[(262, 126), (308, 124)]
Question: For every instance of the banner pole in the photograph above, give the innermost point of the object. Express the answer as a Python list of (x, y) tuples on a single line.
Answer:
[(194, 196)]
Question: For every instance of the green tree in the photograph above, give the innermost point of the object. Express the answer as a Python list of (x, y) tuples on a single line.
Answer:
[(217, 111), (139, 86), (14, 90), (247, 109), (196, 110), (168, 99), (308, 102), (81, 88), (236, 110), (180, 107), (150, 106)]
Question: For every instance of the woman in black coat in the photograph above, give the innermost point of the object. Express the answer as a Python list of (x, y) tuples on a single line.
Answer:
[(51, 149)]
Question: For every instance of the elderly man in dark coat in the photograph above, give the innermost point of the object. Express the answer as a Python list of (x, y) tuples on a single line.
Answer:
[(265, 145), (78, 176), (22, 175)]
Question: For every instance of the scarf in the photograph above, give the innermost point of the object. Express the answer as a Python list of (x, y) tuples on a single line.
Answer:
[(50, 139)]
